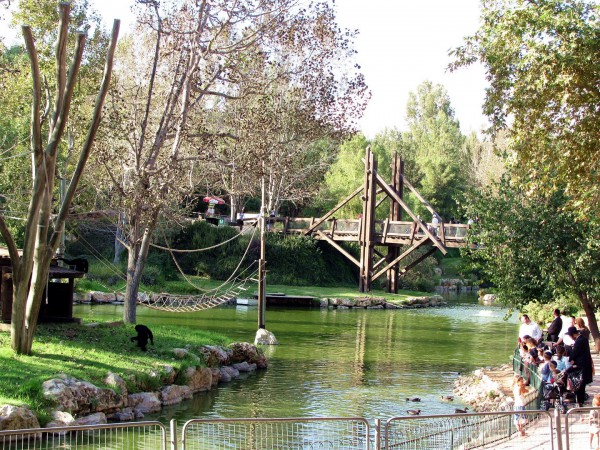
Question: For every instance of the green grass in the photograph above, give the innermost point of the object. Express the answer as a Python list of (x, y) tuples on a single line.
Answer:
[(89, 353)]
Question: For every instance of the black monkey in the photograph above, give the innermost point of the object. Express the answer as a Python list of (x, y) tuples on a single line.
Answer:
[(143, 334)]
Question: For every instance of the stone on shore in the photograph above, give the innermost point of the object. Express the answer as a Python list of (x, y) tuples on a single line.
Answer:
[(17, 418)]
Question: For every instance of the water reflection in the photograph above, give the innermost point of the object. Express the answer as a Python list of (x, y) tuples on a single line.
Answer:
[(345, 362)]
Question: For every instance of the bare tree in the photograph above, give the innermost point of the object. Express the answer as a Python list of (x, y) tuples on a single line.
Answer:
[(43, 230), (187, 62)]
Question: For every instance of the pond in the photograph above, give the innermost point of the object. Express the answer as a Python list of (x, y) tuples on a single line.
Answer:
[(341, 363)]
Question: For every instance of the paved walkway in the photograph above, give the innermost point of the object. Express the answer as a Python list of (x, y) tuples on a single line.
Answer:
[(538, 432)]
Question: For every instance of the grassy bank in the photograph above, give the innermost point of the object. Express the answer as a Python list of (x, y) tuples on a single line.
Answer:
[(89, 353)]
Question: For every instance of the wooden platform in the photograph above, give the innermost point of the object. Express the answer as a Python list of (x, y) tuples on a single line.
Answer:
[(304, 301)]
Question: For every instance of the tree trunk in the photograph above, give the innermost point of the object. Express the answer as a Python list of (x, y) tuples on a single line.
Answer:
[(591, 317), (136, 262)]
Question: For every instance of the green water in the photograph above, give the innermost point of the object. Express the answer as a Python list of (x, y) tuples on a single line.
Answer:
[(360, 363)]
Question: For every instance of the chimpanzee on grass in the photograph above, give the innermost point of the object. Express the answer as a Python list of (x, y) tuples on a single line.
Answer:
[(143, 334)]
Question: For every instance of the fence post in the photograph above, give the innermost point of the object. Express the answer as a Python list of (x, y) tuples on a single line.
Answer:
[(173, 434), (558, 431), (377, 434)]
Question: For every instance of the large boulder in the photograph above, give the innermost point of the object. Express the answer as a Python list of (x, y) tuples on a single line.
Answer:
[(244, 367), (17, 418), (214, 355), (198, 379), (228, 373), (173, 394), (61, 419), (117, 383), (80, 397), (244, 351), (144, 402), (264, 337), (103, 297)]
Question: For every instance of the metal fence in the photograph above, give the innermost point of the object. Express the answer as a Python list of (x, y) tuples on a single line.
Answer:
[(259, 434), (496, 430), (138, 435)]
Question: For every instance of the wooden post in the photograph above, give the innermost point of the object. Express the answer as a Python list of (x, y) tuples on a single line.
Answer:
[(395, 215), (262, 300), (368, 222)]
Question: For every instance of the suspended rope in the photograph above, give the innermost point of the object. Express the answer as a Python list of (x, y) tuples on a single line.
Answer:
[(197, 250), (195, 286)]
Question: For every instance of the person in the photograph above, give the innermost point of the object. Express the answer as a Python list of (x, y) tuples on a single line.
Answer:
[(554, 372), (530, 328), (519, 391), (534, 355), (580, 359), (562, 361), (435, 221), (582, 327), (555, 327), (594, 419), (563, 338), (545, 371)]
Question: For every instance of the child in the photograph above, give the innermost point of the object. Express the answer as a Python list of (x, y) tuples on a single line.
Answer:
[(545, 371), (519, 391), (562, 361), (595, 422), (554, 372)]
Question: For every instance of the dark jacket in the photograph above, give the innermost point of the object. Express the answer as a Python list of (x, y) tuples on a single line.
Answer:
[(555, 327), (582, 358)]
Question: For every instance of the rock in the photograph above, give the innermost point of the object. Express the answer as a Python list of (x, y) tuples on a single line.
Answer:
[(17, 418), (228, 373), (84, 297), (216, 376), (142, 297), (264, 337), (81, 397), (92, 419), (199, 379), (173, 394), (117, 383), (180, 353), (438, 271), (324, 303), (244, 367), (61, 419), (489, 299), (144, 402), (215, 356), (119, 297), (169, 374), (125, 415), (244, 351), (103, 297)]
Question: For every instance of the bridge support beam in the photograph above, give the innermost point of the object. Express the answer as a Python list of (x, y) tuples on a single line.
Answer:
[(397, 185), (367, 229)]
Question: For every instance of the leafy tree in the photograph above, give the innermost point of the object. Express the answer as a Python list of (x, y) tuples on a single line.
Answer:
[(535, 249), (435, 135), (543, 63)]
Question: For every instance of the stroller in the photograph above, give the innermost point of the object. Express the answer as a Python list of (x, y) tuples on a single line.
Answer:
[(555, 394)]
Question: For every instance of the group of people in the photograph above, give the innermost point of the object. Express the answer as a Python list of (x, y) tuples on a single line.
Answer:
[(566, 350)]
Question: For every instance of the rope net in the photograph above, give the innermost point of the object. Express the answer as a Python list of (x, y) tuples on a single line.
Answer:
[(191, 303)]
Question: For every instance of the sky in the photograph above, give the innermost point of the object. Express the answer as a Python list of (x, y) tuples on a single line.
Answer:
[(401, 44)]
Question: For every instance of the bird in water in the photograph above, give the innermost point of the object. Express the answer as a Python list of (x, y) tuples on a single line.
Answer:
[(447, 398), (414, 412), (413, 399), (461, 411)]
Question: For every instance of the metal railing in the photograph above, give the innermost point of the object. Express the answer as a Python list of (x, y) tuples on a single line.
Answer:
[(464, 431), (122, 436), (255, 434), (492, 430), (531, 374)]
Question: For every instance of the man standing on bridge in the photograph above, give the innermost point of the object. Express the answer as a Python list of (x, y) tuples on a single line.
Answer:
[(529, 328)]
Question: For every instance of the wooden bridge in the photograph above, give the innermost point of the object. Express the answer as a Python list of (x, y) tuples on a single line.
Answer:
[(392, 233)]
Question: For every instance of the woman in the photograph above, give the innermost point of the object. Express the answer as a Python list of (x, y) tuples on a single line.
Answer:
[(582, 327), (581, 359)]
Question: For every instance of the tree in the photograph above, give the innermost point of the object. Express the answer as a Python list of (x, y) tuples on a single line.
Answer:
[(435, 135), (42, 232), (542, 59), (186, 63), (533, 248)]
